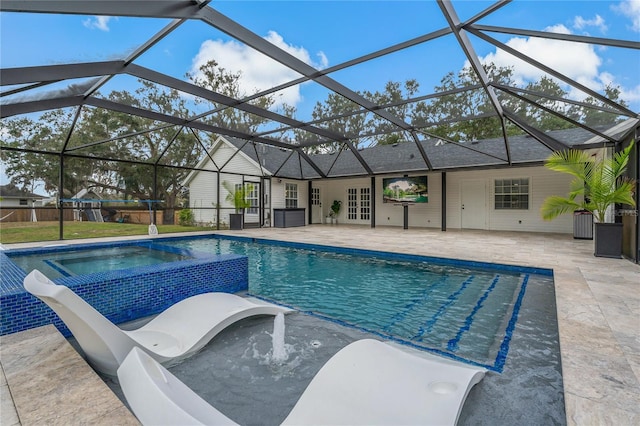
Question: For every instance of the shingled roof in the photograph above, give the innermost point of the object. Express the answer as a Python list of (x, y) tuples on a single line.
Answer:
[(406, 156), (12, 191)]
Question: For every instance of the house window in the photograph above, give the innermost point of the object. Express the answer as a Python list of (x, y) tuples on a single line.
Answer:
[(251, 195), (512, 194), (291, 195), (23, 202)]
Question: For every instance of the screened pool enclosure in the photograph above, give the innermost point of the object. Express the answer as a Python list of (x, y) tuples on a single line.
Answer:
[(132, 113)]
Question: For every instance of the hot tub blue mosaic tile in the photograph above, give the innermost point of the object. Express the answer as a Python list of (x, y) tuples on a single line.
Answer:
[(120, 295)]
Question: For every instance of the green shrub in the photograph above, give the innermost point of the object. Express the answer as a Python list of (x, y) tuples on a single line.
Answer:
[(185, 217)]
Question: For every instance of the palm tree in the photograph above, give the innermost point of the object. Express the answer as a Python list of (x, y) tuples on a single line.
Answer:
[(237, 195), (599, 182)]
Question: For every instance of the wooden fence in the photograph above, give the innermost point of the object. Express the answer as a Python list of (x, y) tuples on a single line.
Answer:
[(52, 214)]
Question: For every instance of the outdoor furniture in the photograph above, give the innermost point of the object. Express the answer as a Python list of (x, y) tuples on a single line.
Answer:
[(366, 383), (286, 218), (173, 335)]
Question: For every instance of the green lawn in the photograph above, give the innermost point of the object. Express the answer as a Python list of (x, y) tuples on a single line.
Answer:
[(23, 232)]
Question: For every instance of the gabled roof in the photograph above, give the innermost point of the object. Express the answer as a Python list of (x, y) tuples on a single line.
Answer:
[(12, 191), (211, 154)]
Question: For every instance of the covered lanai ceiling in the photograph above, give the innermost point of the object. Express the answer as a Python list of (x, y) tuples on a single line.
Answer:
[(419, 40)]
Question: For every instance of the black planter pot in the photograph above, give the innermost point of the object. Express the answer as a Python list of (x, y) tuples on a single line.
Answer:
[(236, 221), (608, 240)]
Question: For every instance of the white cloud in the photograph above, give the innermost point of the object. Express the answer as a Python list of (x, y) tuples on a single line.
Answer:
[(97, 22), (578, 61), (580, 23), (630, 9), (258, 72)]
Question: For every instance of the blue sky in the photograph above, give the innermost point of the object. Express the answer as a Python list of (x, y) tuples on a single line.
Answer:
[(327, 33)]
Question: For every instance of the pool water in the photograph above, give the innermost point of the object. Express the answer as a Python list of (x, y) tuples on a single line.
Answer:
[(462, 312), (69, 263)]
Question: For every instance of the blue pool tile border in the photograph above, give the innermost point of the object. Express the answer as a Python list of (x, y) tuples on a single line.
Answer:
[(391, 255), (121, 295)]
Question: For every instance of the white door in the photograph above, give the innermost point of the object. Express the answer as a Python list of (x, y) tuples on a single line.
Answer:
[(474, 210), (359, 205), (316, 206)]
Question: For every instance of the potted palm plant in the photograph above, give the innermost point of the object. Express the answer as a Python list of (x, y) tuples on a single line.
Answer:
[(335, 209), (237, 196), (597, 185)]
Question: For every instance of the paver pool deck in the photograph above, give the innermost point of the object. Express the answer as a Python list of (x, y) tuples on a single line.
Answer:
[(598, 302)]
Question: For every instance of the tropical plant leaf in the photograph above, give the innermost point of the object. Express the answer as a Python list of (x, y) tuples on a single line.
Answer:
[(555, 205), (600, 182)]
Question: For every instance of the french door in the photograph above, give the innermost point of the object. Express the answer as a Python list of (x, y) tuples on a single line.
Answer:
[(359, 205)]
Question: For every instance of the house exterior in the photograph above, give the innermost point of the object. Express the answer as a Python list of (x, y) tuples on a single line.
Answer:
[(470, 189), (15, 201)]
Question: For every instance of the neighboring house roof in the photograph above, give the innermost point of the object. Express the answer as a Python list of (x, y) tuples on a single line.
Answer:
[(406, 157), (12, 191), (88, 194)]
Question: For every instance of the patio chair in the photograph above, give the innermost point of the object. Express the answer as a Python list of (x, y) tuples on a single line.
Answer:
[(173, 335), (366, 383)]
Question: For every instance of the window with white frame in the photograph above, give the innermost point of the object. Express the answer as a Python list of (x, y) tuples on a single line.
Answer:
[(512, 194), (291, 195), (251, 195)]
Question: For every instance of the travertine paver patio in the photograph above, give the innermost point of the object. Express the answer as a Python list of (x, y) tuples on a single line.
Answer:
[(598, 303)]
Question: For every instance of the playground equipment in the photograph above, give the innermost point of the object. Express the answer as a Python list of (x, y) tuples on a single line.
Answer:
[(93, 210)]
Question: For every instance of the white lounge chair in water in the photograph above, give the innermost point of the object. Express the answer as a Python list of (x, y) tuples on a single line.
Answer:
[(173, 335), (366, 383)]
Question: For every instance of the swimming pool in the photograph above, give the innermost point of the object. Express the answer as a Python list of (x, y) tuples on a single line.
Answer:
[(463, 310), (69, 263)]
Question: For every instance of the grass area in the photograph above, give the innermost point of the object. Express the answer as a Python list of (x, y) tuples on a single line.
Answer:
[(24, 232)]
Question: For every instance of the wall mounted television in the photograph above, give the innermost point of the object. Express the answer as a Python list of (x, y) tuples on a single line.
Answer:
[(412, 189)]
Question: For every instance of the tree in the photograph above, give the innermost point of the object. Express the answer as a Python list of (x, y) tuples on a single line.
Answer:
[(463, 105), (105, 134), (225, 82), (549, 89), (596, 117), (37, 138), (346, 123), (597, 183), (125, 156), (394, 93)]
